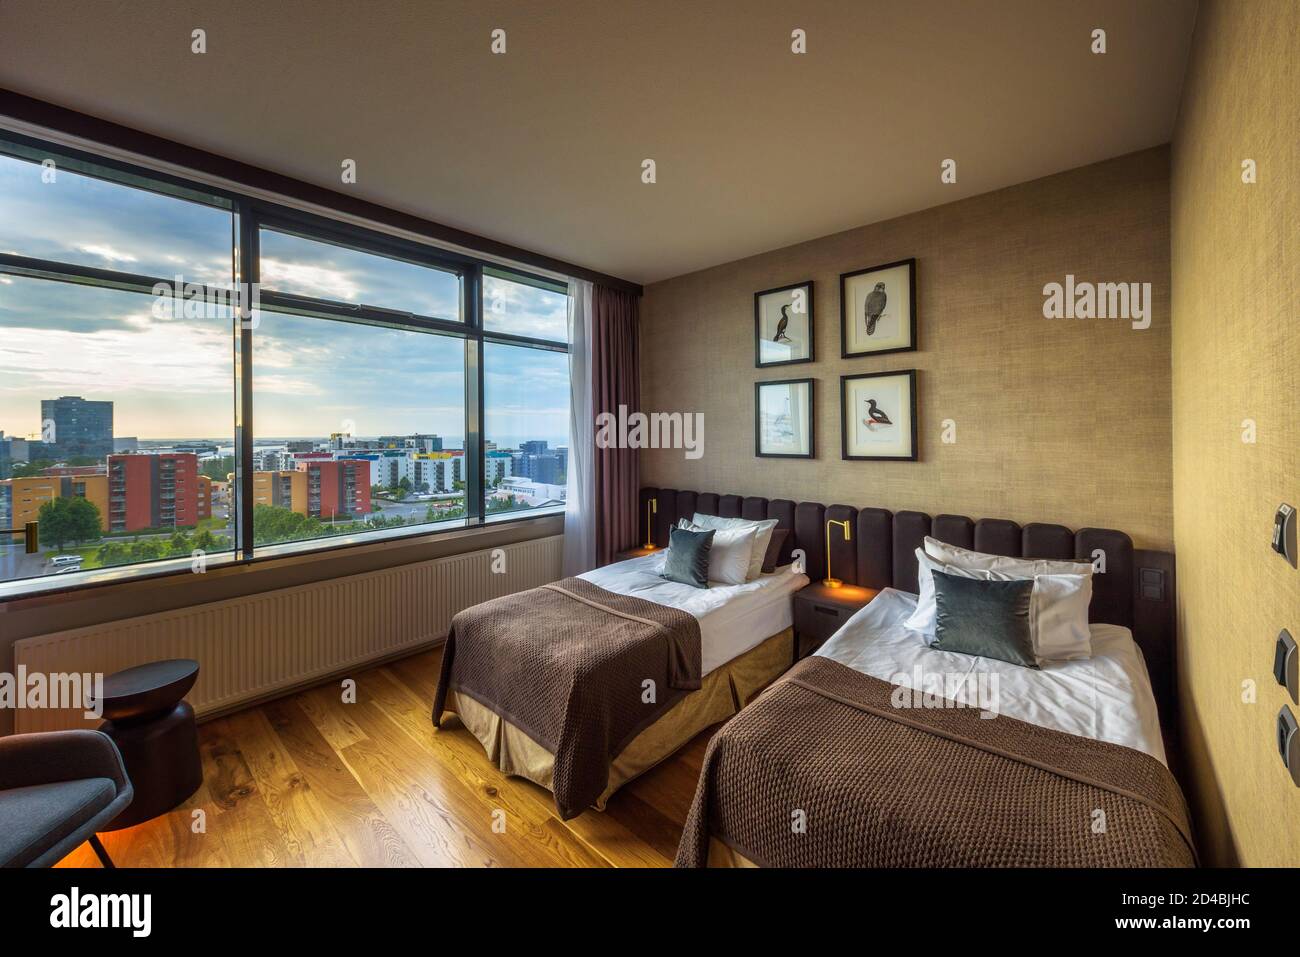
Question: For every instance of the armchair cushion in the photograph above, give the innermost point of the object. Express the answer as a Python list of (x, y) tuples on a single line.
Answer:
[(38, 817), (56, 790)]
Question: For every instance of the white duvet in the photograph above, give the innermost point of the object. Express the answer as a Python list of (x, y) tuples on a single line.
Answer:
[(733, 618), (1107, 697)]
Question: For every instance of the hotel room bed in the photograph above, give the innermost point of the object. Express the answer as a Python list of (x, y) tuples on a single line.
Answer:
[(827, 769), (583, 728)]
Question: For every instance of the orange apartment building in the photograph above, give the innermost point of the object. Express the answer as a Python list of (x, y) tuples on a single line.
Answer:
[(319, 489), (21, 498)]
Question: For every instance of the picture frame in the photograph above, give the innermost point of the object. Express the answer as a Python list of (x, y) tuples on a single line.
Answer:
[(871, 325), (783, 419), (878, 413), (783, 331)]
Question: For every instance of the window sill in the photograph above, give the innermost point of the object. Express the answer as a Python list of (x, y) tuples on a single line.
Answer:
[(106, 583)]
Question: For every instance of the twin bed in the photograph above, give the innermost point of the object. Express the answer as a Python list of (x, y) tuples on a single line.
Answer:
[(526, 705), (854, 757)]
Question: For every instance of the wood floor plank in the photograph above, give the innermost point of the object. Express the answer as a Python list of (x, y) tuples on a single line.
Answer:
[(370, 839), (600, 833), (430, 809), (310, 780), (286, 793), (526, 813), (243, 824), (324, 705)]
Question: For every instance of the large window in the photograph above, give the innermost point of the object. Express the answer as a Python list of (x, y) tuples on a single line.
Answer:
[(526, 425), (357, 428), (190, 377)]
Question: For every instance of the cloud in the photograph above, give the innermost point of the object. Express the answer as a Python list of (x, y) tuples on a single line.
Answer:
[(108, 253)]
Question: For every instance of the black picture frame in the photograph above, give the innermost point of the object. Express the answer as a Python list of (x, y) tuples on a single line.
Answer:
[(811, 423), (844, 319), (844, 416), (758, 326)]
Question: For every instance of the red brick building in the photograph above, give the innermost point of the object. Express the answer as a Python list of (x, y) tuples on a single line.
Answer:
[(336, 488), (153, 491)]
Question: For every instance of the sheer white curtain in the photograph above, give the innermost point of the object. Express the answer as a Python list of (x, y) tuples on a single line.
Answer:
[(579, 511)]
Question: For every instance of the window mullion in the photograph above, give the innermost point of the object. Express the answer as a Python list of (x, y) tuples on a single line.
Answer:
[(249, 271), (475, 505)]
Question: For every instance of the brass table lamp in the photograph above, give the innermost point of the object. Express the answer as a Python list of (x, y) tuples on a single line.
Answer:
[(828, 581)]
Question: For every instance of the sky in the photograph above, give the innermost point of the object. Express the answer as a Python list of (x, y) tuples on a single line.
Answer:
[(172, 376)]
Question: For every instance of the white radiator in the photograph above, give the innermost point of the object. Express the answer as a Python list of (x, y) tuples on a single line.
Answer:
[(249, 648)]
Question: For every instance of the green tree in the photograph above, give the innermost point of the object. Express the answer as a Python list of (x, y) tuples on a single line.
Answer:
[(272, 524), (146, 550), (30, 469), (219, 468), (114, 553), (66, 520)]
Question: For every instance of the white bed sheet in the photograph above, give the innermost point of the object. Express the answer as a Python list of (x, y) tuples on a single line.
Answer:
[(1107, 697), (733, 618)]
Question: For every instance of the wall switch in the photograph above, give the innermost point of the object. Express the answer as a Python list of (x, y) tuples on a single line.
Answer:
[(1284, 533), (1151, 584), (1288, 742), (1286, 664)]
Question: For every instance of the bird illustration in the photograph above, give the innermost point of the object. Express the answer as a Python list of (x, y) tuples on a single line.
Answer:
[(875, 416), (780, 327), (875, 305)]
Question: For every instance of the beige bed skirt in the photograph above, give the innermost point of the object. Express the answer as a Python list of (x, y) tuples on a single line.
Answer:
[(724, 691)]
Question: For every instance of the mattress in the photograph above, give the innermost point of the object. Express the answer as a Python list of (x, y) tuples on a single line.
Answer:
[(1107, 697), (733, 618)]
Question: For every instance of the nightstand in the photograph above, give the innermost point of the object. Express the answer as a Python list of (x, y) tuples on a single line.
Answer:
[(819, 611), (639, 552)]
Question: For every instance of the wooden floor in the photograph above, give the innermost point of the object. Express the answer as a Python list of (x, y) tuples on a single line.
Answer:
[(310, 781)]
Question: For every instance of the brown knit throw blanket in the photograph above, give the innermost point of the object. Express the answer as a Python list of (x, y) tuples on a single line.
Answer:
[(580, 669), (823, 771)]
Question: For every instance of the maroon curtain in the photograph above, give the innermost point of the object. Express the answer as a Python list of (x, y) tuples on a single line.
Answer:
[(615, 381)]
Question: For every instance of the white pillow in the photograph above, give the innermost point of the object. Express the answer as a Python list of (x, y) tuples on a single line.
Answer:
[(730, 554), (1018, 567), (1058, 615), (1058, 607), (762, 537), (922, 620)]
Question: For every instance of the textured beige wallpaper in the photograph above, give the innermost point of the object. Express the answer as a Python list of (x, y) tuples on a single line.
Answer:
[(1236, 346), (1056, 420)]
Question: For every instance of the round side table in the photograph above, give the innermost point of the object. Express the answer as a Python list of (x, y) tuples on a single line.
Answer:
[(154, 729)]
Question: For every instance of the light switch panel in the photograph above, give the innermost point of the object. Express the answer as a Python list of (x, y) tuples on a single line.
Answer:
[(1284, 533), (1288, 742), (1286, 664)]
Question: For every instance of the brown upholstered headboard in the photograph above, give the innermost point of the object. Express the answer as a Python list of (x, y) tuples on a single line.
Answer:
[(881, 555)]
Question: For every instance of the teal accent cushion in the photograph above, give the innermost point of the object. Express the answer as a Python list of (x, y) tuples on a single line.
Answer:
[(687, 560), (985, 618)]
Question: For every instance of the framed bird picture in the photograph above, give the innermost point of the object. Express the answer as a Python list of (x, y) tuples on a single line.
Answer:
[(878, 416), (783, 419), (878, 310), (783, 325)]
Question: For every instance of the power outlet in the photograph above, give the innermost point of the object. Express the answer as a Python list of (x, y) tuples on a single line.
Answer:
[(1288, 742)]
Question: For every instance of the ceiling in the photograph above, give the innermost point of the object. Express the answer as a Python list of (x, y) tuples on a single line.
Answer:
[(755, 147)]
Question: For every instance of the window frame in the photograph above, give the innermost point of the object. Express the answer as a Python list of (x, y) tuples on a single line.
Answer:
[(250, 215)]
